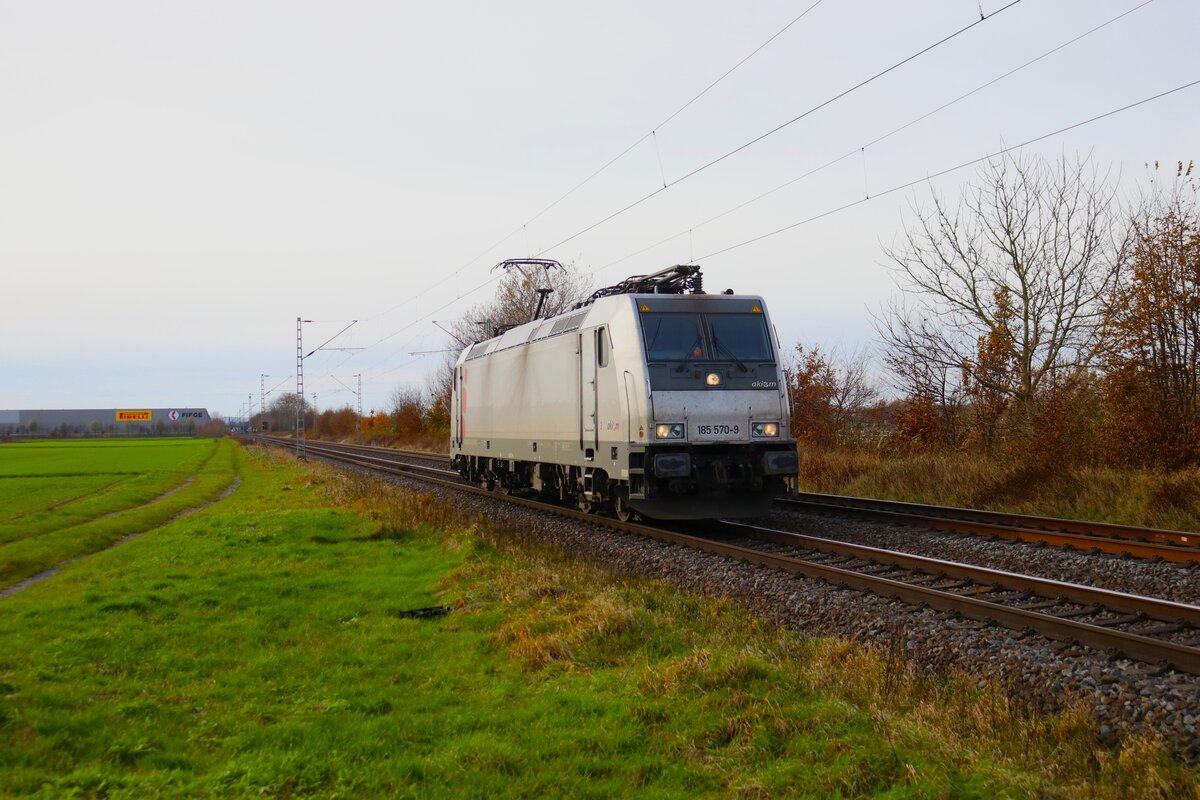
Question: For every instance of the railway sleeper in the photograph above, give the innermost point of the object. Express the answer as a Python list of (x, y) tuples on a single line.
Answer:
[(880, 569), (1085, 611), (955, 585), (1124, 619), (1038, 606), (1159, 630)]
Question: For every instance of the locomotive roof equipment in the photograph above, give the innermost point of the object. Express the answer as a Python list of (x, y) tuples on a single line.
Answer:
[(679, 279)]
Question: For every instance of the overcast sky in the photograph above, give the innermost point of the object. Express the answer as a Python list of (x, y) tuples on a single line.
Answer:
[(179, 182)]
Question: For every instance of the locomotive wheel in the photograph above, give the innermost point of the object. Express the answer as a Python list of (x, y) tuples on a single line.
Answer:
[(621, 509)]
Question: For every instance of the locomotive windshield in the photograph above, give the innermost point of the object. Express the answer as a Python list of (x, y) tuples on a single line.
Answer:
[(673, 337), (741, 336), (691, 337)]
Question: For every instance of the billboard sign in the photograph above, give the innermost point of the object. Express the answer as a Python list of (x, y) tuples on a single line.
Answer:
[(126, 415)]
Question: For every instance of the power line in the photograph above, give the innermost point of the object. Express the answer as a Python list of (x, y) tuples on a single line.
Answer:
[(674, 114), (649, 134), (894, 189), (321, 346), (878, 139), (948, 170), (423, 317), (900, 187), (780, 127), (696, 171)]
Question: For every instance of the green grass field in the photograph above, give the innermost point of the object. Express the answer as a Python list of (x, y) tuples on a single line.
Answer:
[(259, 649), (61, 500)]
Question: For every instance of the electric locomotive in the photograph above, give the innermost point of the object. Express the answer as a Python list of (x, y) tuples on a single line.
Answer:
[(649, 398)]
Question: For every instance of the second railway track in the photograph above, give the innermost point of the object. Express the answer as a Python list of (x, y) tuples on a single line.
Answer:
[(1177, 546)]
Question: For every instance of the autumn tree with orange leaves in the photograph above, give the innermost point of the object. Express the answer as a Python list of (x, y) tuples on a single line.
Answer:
[(988, 378), (830, 396), (1152, 335)]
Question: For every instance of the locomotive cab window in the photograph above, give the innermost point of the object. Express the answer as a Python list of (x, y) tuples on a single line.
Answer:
[(673, 337), (740, 336), (602, 347)]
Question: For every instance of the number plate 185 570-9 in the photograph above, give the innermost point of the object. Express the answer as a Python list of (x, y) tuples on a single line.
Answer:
[(716, 431)]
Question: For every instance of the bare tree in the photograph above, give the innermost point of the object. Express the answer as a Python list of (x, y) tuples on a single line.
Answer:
[(1040, 235), (516, 300), (281, 412), (853, 391), (925, 372)]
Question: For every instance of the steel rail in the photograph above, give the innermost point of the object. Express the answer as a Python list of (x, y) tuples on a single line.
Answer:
[(1176, 546), (366, 448), (1089, 527), (1132, 645), (1152, 607), (380, 462), (1135, 646)]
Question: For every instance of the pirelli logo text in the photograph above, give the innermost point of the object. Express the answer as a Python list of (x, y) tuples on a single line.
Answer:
[(134, 416)]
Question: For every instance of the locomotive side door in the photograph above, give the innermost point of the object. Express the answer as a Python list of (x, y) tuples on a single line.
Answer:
[(611, 407), (587, 391)]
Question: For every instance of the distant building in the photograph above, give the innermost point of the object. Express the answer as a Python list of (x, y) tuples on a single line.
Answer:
[(95, 421)]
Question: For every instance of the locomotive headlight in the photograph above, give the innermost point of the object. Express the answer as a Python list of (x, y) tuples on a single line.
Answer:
[(765, 429), (713, 379), (669, 430)]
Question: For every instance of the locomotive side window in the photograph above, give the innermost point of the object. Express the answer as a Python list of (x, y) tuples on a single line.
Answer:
[(602, 347), (673, 337), (742, 336)]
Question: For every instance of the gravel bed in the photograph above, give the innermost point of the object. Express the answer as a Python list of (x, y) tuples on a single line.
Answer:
[(1041, 675), (1167, 580)]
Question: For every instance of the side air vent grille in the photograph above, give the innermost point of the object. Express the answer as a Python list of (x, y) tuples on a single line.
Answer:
[(480, 349), (539, 331), (564, 324)]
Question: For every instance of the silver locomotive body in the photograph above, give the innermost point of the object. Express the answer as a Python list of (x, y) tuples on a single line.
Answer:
[(673, 406)]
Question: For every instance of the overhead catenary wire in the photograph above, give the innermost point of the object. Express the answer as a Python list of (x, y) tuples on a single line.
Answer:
[(877, 140), (422, 317), (909, 184), (939, 173), (948, 170), (604, 167), (711, 163), (353, 322), (675, 113), (782, 126)]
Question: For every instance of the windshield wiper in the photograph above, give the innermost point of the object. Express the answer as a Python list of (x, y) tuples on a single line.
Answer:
[(718, 347), (687, 359)]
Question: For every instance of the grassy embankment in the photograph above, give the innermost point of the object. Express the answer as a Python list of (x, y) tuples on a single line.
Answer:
[(1132, 497), (259, 648), (60, 500)]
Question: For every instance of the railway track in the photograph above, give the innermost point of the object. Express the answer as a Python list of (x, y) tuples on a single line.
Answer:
[(1142, 628), (1176, 546)]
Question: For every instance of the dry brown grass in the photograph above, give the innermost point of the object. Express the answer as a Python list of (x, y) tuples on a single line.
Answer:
[(1130, 497), (907, 702)]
